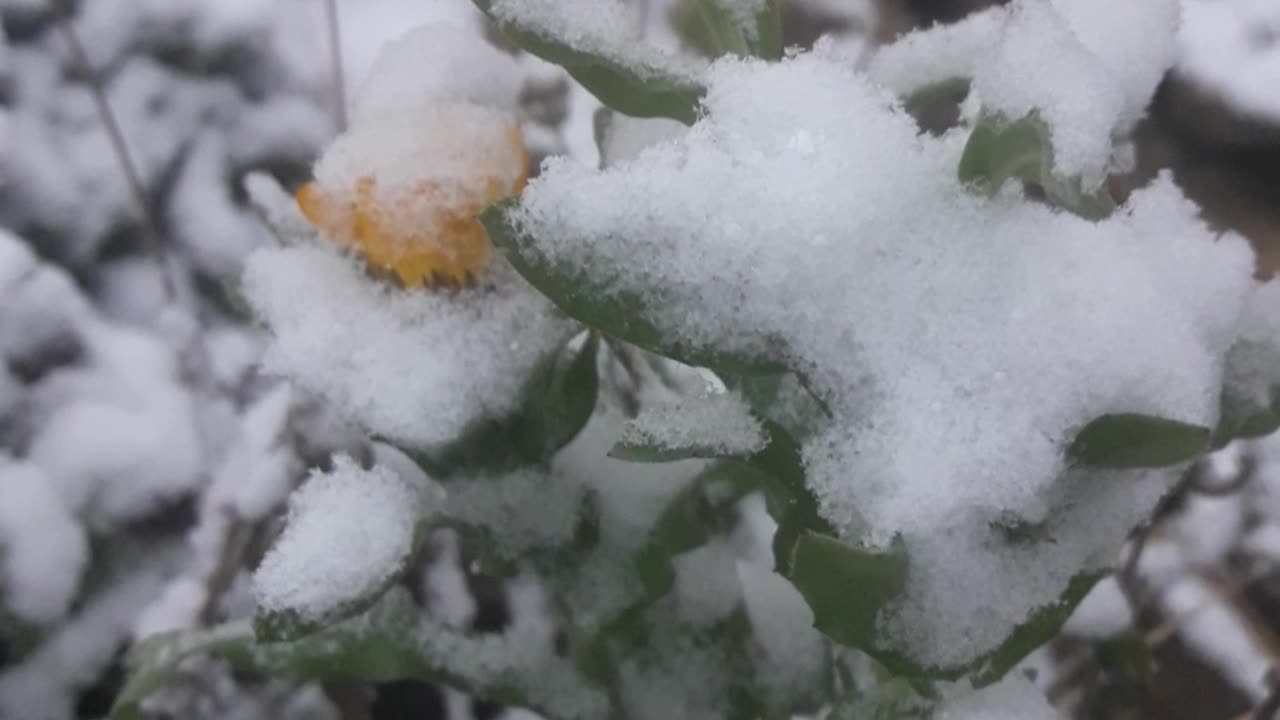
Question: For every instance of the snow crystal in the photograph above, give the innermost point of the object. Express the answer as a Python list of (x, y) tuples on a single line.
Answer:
[(1013, 698), (802, 219), (719, 424), (604, 28), (43, 549), (374, 352), (434, 63), (348, 532), (1228, 48)]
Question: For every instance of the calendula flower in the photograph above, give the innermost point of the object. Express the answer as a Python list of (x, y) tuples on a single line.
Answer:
[(402, 189)]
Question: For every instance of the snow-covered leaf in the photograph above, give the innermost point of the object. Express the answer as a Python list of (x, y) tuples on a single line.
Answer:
[(348, 536), (639, 85)]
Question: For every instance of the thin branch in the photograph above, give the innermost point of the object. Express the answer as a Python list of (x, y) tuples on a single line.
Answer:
[(335, 64), (137, 190)]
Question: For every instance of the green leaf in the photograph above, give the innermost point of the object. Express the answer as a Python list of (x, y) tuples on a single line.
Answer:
[(559, 410), (999, 150), (631, 91), (846, 587), (1137, 441), (616, 314)]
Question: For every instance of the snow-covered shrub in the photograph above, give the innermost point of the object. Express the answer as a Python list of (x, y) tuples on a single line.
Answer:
[(140, 449), (784, 407)]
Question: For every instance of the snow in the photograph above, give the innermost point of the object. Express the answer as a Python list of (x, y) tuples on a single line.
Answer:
[(1086, 71), (706, 587), (924, 316), (78, 650), (938, 53), (120, 434), (348, 532), (792, 653), (373, 352), (1104, 612), (522, 511), (1013, 698), (625, 137), (1228, 48), (1252, 383), (43, 549), (438, 62), (1213, 630), (603, 28), (714, 423)]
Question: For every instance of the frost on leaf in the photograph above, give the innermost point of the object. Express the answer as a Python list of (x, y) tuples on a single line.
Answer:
[(961, 343), (348, 534), (711, 424)]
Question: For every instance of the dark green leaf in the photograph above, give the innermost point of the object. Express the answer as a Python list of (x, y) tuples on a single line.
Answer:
[(1137, 441), (1127, 656), (560, 408), (846, 587), (631, 91)]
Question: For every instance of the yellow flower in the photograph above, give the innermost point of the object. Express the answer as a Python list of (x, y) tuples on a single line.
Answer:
[(404, 191)]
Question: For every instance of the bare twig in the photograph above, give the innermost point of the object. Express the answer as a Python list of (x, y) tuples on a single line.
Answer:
[(335, 64), (138, 192)]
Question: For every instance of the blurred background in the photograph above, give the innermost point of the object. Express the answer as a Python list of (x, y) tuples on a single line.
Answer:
[(144, 461)]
